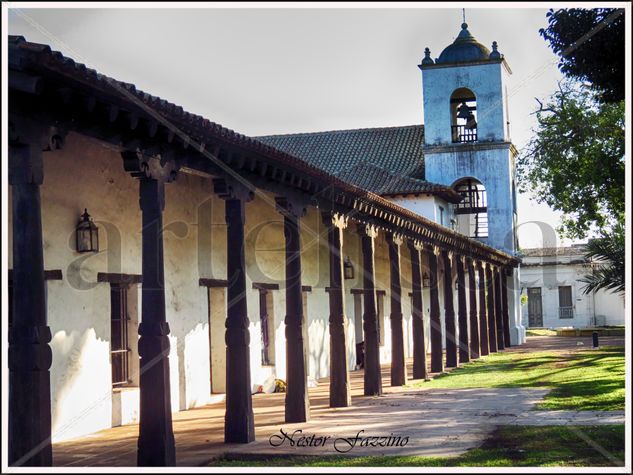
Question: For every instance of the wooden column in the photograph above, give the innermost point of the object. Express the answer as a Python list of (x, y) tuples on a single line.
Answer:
[(437, 363), (449, 312), (419, 352), (484, 343), (156, 437), (30, 355), (339, 376), (398, 367), (498, 308), (504, 302), (462, 312), (490, 310), (473, 313), (239, 425), (372, 376), (297, 400)]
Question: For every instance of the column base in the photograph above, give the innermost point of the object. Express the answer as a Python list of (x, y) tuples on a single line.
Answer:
[(517, 335)]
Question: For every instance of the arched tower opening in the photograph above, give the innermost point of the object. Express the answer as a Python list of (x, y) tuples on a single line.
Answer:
[(463, 105), (472, 210)]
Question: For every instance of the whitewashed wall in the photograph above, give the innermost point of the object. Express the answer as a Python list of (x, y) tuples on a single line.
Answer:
[(87, 173), (549, 277)]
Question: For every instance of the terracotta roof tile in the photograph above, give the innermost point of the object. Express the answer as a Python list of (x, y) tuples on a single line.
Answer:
[(553, 251)]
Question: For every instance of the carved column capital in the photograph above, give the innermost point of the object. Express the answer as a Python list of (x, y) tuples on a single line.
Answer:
[(394, 238), (162, 168), (26, 131), (229, 189), (292, 208), (435, 249), (27, 140), (366, 229), (337, 220)]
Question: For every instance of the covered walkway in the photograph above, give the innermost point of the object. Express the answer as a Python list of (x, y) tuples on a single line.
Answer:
[(438, 422)]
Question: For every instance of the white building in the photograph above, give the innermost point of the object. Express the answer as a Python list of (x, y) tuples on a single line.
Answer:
[(230, 270), (551, 281)]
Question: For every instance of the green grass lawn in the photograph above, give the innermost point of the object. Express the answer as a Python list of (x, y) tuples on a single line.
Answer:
[(540, 332), (508, 446), (580, 380)]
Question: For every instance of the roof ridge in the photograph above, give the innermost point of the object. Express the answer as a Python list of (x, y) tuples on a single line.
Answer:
[(296, 134)]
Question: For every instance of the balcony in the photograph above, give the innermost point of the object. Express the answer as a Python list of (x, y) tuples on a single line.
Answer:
[(461, 134)]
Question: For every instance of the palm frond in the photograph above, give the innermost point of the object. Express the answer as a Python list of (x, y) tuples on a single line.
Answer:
[(608, 251)]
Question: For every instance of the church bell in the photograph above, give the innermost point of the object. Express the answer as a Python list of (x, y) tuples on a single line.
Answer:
[(465, 113)]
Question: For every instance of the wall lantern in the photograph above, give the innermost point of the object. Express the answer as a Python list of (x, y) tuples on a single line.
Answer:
[(426, 280), (348, 269), (87, 234)]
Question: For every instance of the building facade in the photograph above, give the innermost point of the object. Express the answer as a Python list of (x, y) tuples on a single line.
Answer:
[(223, 262), (551, 281)]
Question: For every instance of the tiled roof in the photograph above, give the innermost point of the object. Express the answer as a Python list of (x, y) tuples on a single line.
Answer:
[(397, 149), (385, 160), (552, 251), (384, 183), (26, 58)]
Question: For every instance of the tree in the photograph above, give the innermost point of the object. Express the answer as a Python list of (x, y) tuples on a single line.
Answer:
[(575, 160), (608, 250), (590, 43)]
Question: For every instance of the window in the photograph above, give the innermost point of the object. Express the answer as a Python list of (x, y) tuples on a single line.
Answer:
[(463, 106), (565, 306), (266, 320), (441, 215), (472, 210), (119, 343)]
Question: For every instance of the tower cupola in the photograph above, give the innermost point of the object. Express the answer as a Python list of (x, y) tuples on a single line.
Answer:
[(464, 49)]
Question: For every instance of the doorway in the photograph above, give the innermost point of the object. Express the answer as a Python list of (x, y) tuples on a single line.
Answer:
[(535, 307)]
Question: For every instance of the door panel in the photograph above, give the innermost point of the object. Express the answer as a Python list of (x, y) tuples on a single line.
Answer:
[(535, 307)]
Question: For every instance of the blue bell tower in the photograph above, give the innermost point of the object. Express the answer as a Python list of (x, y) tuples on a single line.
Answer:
[(467, 146), (467, 137)]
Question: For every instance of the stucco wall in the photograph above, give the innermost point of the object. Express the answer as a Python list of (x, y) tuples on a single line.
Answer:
[(550, 277), (427, 206), (493, 168), (87, 173), (486, 81)]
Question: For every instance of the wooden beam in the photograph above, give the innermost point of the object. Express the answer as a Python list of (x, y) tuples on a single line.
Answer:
[(212, 283), (265, 286)]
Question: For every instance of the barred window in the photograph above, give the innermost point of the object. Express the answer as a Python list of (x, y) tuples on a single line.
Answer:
[(266, 320), (565, 305), (119, 344)]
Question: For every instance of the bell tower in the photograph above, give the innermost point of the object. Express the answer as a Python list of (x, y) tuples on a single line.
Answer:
[(467, 139), (467, 146)]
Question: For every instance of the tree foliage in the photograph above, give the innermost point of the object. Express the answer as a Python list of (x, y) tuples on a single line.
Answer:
[(608, 250), (575, 160), (590, 43)]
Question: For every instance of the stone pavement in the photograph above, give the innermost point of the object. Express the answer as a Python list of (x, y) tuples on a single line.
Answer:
[(436, 422)]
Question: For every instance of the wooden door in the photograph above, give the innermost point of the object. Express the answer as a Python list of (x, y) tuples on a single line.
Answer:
[(535, 307)]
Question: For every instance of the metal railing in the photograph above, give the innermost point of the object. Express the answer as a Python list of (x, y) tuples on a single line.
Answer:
[(565, 312), (461, 134)]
